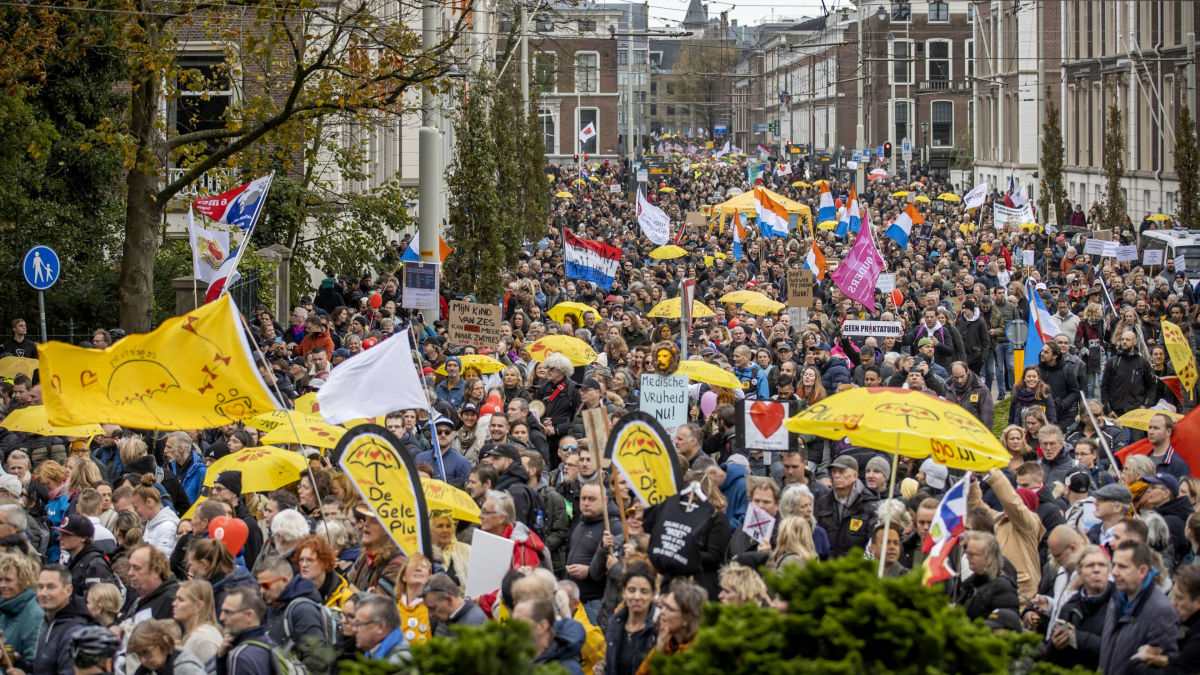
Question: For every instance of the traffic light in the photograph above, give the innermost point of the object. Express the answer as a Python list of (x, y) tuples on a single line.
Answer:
[(887, 150), (771, 127)]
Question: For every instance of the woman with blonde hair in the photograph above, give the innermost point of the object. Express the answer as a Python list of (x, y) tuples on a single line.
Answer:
[(1013, 439), (741, 585), (21, 617), (104, 603), (84, 474), (793, 544), (414, 615), (195, 609)]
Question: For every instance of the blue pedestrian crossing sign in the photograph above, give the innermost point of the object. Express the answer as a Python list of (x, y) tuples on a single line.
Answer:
[(41, 267)]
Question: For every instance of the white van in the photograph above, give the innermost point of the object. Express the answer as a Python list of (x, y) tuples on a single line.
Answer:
[(1175, 243)]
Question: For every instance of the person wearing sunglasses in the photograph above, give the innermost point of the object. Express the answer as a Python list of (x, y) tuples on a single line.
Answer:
[(293, 607), (457, 467)]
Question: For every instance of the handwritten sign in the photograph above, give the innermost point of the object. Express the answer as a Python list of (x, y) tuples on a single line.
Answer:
[(886, 282), (474, 324), (666, 398), (1027, 257), (800, 288), (1127, 253), (1152, 257), (696, 218), (1093, 246)]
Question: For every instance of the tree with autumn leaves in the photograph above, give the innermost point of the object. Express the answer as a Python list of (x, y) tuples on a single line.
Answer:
[(310, 80)]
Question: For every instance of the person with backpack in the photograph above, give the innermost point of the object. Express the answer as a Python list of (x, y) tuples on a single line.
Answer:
[(248, 649), (505, 458), (296, 618), (88, 565)]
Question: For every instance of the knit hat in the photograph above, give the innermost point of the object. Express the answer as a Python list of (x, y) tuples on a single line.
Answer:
[(230, 480), (909, 488), (935, 474), (1029, 497), (881, 465)]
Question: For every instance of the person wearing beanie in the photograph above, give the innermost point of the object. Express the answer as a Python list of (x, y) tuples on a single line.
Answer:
[(454, 387), (933, 475), (1018, 529), (876, 475), (227, 487)]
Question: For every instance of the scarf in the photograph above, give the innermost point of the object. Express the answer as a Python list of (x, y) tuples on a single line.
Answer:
[(1126, 602)]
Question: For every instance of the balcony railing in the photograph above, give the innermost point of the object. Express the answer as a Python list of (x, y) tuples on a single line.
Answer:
[(211, 182), (946, 86)]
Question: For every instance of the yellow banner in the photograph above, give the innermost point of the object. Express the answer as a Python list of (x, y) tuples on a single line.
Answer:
[(642, 452), (389, 484), (1181, 355), (193, 372)]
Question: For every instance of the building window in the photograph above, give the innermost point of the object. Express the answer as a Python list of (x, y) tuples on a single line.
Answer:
[(902, 11), (970, 12), (941, 127), (902, 68), (901, 131), (545, 71), (589, 116), (655, 61), (544, 24), (623, 57), (586, 26), (670, 110), (970, 58), (639, 57), (939, 12), (506, 26), (937, 61), (587, 72), (205, 92), (546, 115)]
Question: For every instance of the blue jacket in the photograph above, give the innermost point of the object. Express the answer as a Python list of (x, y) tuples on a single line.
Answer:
[(249, 659), (458, 468), (835, 371), (192, 479), (1146, 619), (21, 620), (756, 381), (393, 648), (305, 618), (452, 395), (734, 489), (569, 637)]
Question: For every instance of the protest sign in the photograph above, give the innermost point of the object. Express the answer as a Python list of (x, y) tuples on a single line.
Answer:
[(1152, 257), (491, 557), (800, 288), (1180, 264), (1094, 246), (1027, 257), (643, 452), (1110, 249), (1003, 214), (886, 282), (696, 218), (666, 398), (1127, 253), (614, 189), (872, 328), (474, 324), (387, 479)]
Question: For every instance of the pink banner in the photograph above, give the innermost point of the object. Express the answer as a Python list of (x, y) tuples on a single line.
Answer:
[(859, 272)]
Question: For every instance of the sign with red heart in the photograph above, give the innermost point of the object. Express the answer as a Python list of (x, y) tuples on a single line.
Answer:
[(760, 426)]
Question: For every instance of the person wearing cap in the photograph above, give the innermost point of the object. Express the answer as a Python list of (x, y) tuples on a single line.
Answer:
[(505, 458), (457, 467), (448, 607), (591, 395), (87, 564), (1081, 509), (1162, 496), (227, 487), (453, 388), (876, 474), (847, 512), (1112, 505), (1159, 432)]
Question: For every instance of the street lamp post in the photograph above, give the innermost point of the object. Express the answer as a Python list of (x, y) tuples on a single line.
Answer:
[(891, 41), (925, 130)]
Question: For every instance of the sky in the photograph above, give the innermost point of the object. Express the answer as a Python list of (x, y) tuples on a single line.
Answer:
[(671, 12)]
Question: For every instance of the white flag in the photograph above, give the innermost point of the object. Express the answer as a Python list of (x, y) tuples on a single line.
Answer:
[(210, 250), (375, 382), (587, 132), (656, 225), (975, 197)]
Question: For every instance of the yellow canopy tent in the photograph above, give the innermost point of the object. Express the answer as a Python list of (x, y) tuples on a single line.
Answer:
[(744, 203)]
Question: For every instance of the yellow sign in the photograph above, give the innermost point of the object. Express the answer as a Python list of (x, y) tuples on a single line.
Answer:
[(643, 453), (1181, 354), (388, 482), (193, 372)]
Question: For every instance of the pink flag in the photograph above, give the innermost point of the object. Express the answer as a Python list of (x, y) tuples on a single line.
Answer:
[(858, 274)]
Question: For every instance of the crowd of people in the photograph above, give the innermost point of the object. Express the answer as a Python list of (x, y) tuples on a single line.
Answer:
[(110, 552)]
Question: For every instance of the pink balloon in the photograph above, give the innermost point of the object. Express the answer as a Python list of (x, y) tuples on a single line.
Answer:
[(708, 403)]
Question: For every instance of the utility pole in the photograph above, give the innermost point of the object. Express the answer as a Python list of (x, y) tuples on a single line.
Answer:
[(524, 61), (1041, 104), (860, 132), (430, 150)]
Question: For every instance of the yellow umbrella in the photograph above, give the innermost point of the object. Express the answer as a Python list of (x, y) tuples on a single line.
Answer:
[(11, 365), (667, 252), (743, 296), (922, 199), (801, 184), (763, 307), (1159, 217), (708, 373), (550, 177), (666, 189), (578, 351), (563, 194), (481, 362), (34, 420), (903, 422), (578, 181), (317, 435), (827, 225), (379, 419), (307, 403), (671, 309), (949, 197), (1030, 227), (442, 496), (263, 468), (1140, 418), (562, 309), (282, 418), (819, 183), (901, 193)]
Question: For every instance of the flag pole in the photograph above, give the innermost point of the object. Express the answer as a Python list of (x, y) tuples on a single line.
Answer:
[(237, 258), (437, 450)]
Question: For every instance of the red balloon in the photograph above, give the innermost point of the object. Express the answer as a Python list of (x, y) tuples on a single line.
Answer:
[(369, 342), (230, 531), (837, 202), (376, 301)]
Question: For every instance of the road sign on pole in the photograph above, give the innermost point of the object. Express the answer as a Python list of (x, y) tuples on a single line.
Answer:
[(41, 268)]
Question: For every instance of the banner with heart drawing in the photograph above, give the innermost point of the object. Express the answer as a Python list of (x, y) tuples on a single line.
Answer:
[(760, 426)]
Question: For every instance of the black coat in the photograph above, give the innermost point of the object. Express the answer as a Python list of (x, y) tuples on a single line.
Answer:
[(53, 656), (979, 596), (89, 568), (975, 341), (1175, 513), (515, 481), (1187, 661), (1128, 382), (254, 540), (1087, 615), (624, 650), (849, 527), (1151, 621)]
